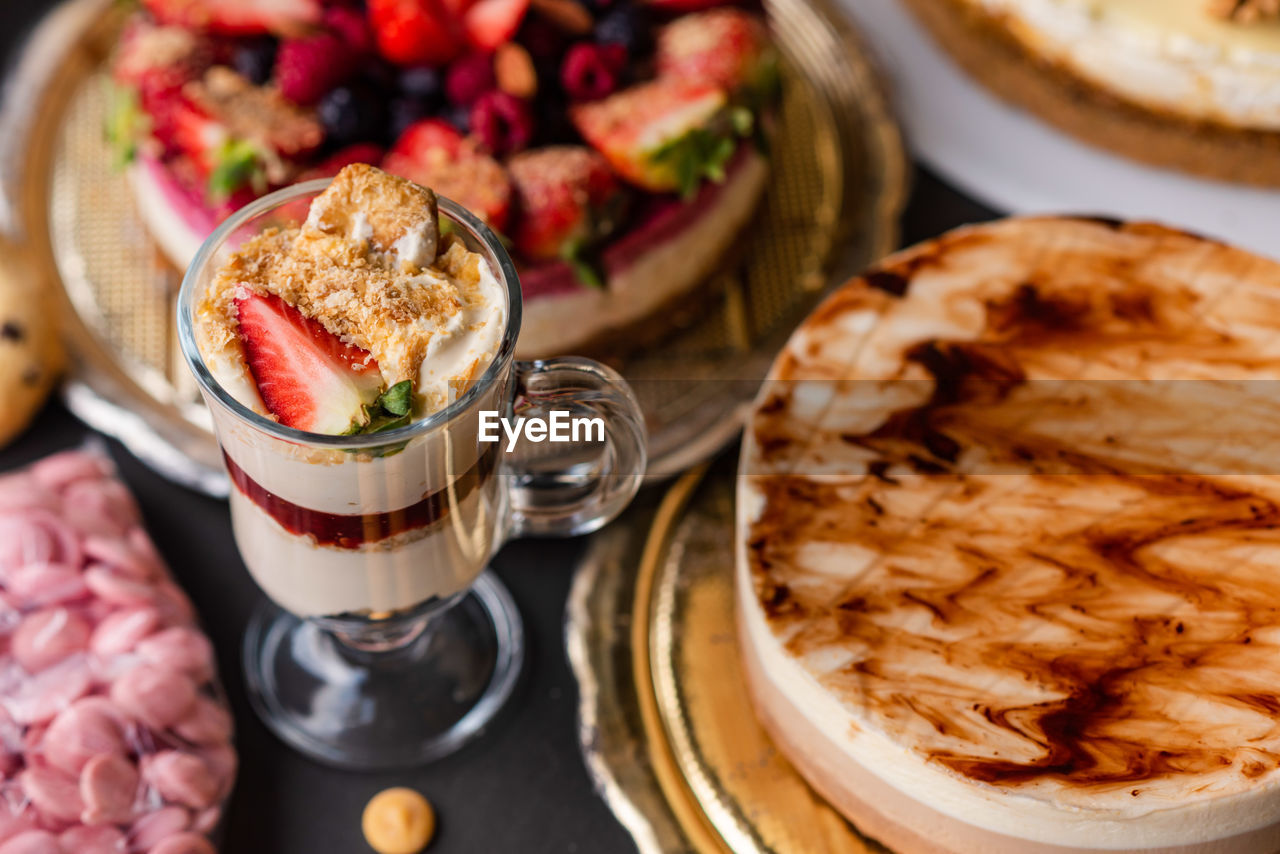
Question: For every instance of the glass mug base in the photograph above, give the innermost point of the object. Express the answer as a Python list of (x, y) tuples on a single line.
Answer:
[(357, 710)]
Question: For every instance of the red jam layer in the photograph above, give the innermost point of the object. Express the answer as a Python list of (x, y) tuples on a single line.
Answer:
[(350, 531)]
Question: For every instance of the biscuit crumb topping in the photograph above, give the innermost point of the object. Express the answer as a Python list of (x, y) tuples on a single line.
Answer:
[(370, 266)]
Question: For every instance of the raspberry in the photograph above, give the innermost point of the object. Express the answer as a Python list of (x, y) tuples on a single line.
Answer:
[(306, 68), (469, 78), (502, 122), (351, 26), (592, 71)]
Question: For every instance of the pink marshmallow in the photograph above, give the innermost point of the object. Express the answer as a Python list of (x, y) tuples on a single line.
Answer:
[(180, 648), (181, 778), (116, 588), (109, 788), (206, 821), (156, 696), (58, 471), (99, 839), (22, 491), (208, 723), (86, 604), (36, 536), (12, 823), (117, 554), (83, 731), (53, 792), (222, 763), (155, 827), (43, 695), (40, 584), (48, 636), (184, 843), (102, 507), (32, 842), (121, 630)]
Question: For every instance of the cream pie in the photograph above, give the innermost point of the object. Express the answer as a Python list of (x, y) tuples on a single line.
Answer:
[(619, 146), (1009, 545), (1187, 84)]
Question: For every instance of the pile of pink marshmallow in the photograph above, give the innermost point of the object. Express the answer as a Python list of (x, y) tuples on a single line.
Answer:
[(113, 739)]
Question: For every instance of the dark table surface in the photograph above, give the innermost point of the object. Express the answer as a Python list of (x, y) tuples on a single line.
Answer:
[(521, 787)]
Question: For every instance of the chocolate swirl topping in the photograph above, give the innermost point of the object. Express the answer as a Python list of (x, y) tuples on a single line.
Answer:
[(975, 519)]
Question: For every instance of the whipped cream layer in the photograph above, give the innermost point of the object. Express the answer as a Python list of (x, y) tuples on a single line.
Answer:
[(1030, 604), (1172, 56), (394, 575)]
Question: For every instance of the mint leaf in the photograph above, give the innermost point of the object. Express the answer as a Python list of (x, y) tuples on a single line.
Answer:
[(237, 164), (588, 271), (703, 153), (398, 399), (391, 410), (126, 124)]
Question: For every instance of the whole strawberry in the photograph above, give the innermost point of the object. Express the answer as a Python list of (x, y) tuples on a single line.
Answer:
[(416, 32), (433, 153), (568, 199), (727, 47), (667, 135)]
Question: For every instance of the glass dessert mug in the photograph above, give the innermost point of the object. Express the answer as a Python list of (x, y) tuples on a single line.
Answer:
[(394, 644)]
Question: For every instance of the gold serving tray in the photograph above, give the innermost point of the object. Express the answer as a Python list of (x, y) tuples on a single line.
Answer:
[(667, 727), (832, 206)]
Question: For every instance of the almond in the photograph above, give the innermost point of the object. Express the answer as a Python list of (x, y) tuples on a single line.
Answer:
[(568, 15), (513, 67)]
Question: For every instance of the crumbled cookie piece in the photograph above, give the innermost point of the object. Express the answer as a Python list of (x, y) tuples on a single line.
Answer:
[(345, 269), (255, 113), (365, 204)]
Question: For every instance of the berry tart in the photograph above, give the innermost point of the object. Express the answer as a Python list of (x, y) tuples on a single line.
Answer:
[(1186, 84), (618, 146)]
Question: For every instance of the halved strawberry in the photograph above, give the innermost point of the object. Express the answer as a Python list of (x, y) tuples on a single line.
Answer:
[(416, 32), (492, 23), (238, 17), (664, 135), (568, 199), (308, 378), (433, 154), (421, 138), (723, 47)]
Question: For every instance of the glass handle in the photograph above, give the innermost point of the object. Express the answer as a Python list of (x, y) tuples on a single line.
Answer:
[(573, 486)]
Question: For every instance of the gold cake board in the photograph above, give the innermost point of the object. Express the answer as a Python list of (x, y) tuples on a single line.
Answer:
[(666, 721)]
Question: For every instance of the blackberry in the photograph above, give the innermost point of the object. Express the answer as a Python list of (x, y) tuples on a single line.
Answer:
[(354, 113), (421, 84), (255, 59), (628, 26), (404, 111), (459, 115)]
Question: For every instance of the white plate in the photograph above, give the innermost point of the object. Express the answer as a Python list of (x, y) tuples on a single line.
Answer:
[(1012, 161)]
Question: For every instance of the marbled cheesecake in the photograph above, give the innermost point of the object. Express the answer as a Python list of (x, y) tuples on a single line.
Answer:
[(1008, 568)]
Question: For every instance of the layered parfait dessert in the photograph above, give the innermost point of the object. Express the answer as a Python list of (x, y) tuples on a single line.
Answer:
[(364, 318)]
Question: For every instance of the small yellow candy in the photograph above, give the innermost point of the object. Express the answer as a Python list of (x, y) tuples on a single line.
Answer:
[(398, 821)]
